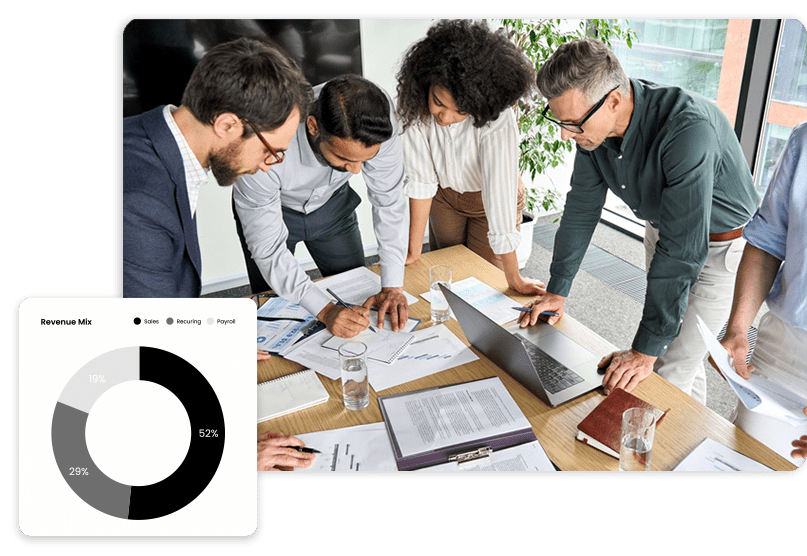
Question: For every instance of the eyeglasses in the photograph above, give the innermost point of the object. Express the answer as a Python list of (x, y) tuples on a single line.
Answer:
[(578, 127), (273, 157)]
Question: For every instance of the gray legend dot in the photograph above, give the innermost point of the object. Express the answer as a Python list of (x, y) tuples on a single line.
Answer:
[(169, 320), (209, 321)]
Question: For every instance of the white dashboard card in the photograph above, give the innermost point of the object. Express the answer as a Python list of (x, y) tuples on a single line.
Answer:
[(123, 407)]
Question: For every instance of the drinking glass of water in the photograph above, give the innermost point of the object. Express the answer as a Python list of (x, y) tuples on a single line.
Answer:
[(355, 384), (638, 429), (439, 274)]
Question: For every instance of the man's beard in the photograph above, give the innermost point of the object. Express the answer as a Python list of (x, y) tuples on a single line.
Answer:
[(314, 143), (223, 164)]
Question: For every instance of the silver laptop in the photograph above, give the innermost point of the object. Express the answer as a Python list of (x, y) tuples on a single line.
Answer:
[(547, 362)]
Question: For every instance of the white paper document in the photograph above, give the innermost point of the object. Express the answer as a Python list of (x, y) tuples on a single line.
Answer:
[(493, 303), (441, 417), (434, 349), (441, 350), (710, 455), (382, 345), (757, 393), (359, 448), (356, 285), (274, 336), (526, 457)]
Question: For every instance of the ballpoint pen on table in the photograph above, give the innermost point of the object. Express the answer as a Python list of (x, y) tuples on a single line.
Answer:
[(543, 313), (343, 304), (270, 319)]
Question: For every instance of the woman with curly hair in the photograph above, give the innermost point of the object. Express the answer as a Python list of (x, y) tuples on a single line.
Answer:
[(456, 90)]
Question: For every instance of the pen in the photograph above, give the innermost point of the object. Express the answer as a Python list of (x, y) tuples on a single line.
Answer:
[(270, 319), (305, 449), (426, 339), (543, 313), (343, 304)]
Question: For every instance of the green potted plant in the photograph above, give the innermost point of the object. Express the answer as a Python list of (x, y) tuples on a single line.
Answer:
[(541, 147)]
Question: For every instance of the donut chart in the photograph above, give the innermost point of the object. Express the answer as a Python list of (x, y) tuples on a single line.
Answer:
[(69, 441)]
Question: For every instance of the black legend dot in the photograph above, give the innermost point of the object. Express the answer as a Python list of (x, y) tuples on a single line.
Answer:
[(137, 320), (169, 320)]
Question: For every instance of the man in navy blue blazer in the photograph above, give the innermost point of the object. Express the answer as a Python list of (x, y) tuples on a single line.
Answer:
[(239, 112)]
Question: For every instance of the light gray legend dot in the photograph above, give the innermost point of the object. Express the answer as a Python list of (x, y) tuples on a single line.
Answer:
[(210, 321), (169, 320)]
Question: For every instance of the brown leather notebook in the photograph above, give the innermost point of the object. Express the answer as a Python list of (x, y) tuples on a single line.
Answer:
[(602, 427)]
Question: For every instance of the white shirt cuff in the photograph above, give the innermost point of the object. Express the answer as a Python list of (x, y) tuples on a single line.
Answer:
[(504, 243)]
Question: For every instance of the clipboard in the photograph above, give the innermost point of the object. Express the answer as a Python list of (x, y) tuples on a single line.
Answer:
[(469, 449)]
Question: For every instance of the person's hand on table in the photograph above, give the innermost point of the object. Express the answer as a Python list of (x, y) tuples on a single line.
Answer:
[(625, 369), (525, 286), (800, 444), (549, 302), (273, 454), (392, 301), (264, 355), (344, 322)]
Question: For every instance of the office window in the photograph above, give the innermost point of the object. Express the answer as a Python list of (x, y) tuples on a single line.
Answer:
[(706, 56), (787, 104), (687, 53)]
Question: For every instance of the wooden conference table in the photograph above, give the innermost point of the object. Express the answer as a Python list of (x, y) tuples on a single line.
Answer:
[(686, 425)]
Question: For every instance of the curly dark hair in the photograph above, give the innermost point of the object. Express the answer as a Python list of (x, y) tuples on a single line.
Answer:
[(482, 69)]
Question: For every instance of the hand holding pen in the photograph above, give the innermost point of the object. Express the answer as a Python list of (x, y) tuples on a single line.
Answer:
[(344, 323), (280, 451), (348, 307), (541, 314), (548, 307), (305, 449)]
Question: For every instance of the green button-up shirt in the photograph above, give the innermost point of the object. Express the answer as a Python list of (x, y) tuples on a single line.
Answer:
[(679, 167)]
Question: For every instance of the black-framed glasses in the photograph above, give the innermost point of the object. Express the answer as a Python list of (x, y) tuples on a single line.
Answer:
[(578, 127), (273, 157)]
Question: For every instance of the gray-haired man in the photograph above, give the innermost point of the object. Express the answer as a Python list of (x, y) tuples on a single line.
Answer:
[(673, 158)]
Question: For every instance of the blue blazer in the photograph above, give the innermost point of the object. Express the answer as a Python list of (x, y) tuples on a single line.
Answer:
[(161, 256)]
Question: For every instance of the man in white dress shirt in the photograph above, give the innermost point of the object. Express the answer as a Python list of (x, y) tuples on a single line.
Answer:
[(351, 128)]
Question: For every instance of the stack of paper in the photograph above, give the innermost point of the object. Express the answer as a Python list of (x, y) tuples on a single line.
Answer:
[(710, 455), (432, 350), (276, 335), (359, 448), (757, 393)]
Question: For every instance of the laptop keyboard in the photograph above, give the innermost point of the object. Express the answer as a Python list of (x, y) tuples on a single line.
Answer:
[(554, 375)]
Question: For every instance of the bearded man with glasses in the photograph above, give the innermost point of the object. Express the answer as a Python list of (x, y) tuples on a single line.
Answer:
[(674, 159), (239, 112)]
